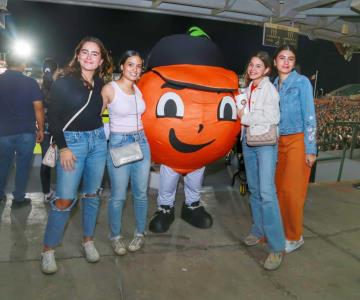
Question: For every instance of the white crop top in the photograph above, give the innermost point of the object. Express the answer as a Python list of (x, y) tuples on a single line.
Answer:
[(122, 110)]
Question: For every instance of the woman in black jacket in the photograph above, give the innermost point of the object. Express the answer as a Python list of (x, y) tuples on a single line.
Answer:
[(82, 146)]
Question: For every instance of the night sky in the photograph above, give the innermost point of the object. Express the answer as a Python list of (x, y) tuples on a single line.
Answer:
[(56, 29)]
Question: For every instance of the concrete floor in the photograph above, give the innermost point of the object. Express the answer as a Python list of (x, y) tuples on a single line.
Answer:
[(188, 263), (328, 170)]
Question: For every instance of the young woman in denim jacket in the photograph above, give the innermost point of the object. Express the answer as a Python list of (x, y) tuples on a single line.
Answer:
[(262, 111), (126, 105), (297, 144), (82, 147)]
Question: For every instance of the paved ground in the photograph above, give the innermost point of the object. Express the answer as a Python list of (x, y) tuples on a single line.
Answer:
[(187, 263), (328, 170)]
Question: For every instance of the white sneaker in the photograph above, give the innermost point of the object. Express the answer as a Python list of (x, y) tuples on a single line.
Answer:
[(136, 243), (48, 262), (251, 240), (91, 254), (118, 246), (273, 261), (49, 196), (291, 246)]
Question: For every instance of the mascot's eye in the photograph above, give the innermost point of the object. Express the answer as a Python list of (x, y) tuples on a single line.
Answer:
[(227, 109), (170, 105)]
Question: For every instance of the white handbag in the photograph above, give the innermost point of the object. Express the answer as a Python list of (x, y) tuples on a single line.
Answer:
[(128, 153), (268, 138), (51, 154)]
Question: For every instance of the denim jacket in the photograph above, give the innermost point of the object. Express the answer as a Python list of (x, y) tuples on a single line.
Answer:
[(297, 110)]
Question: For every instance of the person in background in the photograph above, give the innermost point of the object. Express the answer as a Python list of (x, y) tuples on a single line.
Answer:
[(21, 126), (82, 147), (49, 71), (2, 66), (125, 104), (257, 115), (297, 144)]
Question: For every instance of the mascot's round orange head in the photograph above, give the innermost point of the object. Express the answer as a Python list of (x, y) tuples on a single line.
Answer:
[(190, 117)]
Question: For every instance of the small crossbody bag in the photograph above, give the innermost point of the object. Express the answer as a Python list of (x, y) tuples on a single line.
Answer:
[(128, 153), (52, 152), (266, 139)]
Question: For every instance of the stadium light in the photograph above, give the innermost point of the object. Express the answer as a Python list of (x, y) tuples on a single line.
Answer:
[(22, 48)]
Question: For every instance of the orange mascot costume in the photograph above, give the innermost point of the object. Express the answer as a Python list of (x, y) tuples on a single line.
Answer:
[(190, 119)]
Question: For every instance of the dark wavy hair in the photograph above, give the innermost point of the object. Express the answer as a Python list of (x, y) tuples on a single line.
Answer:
[(289, 48), (126, 55), (105, 69), (49, 68), (285, 47)]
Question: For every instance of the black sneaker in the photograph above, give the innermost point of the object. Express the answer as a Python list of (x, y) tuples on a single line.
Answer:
[(356, 186), (162, 219), (196, 215), (20, 203)]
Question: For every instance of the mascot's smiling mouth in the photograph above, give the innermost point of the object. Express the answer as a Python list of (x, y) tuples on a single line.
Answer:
[(182, 147)]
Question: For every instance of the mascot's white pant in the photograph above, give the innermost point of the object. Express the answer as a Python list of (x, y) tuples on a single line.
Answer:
[(168, 184)]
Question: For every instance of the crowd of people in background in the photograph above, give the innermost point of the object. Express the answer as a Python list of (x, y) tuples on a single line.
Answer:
[(333, 136)]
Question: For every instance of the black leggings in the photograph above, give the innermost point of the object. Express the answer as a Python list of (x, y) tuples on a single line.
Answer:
[(45, 171)]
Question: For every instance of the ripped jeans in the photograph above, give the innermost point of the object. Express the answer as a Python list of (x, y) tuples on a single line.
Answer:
[(90, 149)]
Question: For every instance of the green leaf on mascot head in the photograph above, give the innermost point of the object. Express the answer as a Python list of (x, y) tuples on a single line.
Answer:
[(197, 31)]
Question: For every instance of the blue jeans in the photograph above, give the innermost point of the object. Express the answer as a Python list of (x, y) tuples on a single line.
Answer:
[(89, 148), (138, 174), (23, 145), (260, 165)]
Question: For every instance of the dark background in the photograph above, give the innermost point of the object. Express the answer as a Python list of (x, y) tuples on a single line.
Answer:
[(56, 29)]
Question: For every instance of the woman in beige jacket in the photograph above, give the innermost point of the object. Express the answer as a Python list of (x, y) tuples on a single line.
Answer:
[(259, 113)]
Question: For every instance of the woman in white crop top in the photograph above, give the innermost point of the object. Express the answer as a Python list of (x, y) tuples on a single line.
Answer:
[(125, 105)]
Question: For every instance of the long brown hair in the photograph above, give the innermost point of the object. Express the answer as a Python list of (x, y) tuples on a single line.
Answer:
[(103, 71), (265, 58)]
